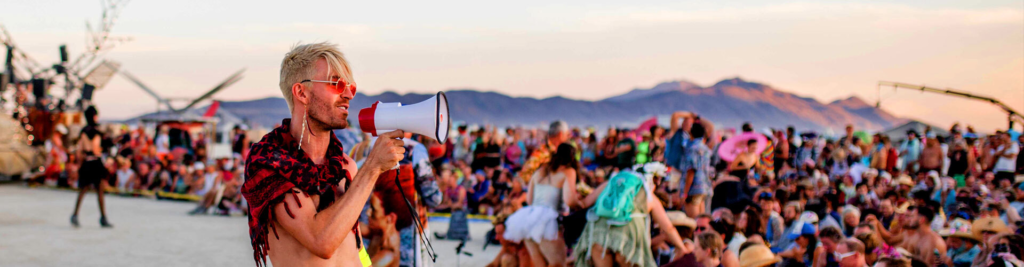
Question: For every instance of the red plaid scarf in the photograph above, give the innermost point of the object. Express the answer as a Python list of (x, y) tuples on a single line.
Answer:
[(275, 166)]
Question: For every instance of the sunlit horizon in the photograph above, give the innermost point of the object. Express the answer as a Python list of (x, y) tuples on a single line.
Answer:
[(826, 51)]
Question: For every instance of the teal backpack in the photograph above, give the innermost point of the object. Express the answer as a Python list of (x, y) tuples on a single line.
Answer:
[(616, 201)]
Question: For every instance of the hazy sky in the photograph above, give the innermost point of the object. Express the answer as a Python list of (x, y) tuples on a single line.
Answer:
[(582, 49)]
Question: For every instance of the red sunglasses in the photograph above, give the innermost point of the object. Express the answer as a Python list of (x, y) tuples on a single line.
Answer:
[(336, 87)]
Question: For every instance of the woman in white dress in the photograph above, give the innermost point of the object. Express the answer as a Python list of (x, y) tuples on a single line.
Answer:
[(551, 188)]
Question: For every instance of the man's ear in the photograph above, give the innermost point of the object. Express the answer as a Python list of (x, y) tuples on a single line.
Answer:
[(299, 93), (391, 218)]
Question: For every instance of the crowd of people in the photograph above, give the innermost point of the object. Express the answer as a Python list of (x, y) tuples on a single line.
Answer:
[(171, 163), (691, 195), (685, 195)]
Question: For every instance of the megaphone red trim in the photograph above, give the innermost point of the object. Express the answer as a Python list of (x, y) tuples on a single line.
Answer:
[(366, 119)]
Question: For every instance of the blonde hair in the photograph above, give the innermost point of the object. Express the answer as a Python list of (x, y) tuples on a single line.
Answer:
[(854, 245), (300, 64), (850, 209), (711, 240)]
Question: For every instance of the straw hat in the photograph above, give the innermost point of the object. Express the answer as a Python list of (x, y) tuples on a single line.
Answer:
[(903, 207), (960, 228), (757, 256), (992, 224), (678, 218), (903, 180)]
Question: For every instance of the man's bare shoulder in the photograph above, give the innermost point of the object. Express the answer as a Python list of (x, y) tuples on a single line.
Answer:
[(936, 238)]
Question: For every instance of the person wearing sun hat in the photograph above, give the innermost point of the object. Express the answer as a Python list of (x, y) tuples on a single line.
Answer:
[(902, 185), (987, 229), (758, 256), (683, 224), (961, 242), (679, 218), (903, 180)]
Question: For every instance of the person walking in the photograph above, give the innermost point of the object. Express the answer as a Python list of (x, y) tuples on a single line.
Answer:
[(92, 173)]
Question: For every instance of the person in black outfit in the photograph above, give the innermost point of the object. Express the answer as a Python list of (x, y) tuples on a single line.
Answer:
[(93, 172), (239, 142), (488, 154), (625, 151), (959, 162), (731, 192)]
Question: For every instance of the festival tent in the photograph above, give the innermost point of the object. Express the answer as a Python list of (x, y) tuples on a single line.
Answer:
[(900, 132), (217, 123)]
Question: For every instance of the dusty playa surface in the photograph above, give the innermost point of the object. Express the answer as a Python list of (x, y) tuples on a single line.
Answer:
[(35, 231)]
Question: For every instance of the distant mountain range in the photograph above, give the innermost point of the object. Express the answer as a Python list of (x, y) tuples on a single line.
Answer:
[(728, 103)]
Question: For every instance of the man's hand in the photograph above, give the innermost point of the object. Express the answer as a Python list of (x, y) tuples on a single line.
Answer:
[(1010, 257), (681, 115), (871, 219), (387, 151), (898, 225), (874, 221), (323, 232)]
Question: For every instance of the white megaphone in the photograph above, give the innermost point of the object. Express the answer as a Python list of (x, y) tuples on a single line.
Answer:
[(429, 118)]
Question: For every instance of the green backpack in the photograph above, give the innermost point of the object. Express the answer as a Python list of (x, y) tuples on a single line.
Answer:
[(616, 201)]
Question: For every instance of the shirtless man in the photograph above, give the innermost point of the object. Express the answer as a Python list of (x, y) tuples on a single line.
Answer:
[(918, 237), (304, 193), (931, 156)]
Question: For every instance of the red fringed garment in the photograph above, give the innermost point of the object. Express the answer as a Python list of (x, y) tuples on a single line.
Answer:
[(275, 166)]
